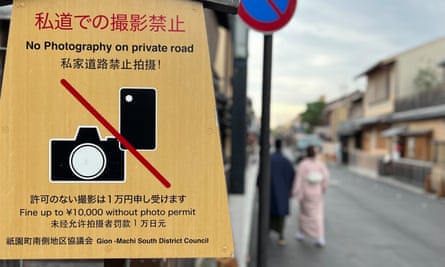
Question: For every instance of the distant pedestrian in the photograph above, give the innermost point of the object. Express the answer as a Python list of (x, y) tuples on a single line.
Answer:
[(309, 188), (282, 174)]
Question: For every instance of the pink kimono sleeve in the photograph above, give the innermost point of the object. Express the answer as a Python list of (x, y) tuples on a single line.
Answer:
[(298, 182), (326, 177)]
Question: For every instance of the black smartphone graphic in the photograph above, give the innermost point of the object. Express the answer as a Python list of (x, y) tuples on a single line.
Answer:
[(138, 117)]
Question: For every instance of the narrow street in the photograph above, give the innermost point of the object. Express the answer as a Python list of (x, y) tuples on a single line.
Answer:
[(369, 223)]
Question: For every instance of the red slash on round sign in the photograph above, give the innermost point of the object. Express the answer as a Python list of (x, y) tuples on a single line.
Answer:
[(116, 133), (267, 15)]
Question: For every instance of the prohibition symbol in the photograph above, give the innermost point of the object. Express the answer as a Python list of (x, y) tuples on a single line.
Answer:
[(267, 15), (115, 132)]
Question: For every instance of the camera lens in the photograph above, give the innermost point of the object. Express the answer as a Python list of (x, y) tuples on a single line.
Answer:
[(87, 161)]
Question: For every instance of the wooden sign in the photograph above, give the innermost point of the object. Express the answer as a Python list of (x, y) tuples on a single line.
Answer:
[(108, 133)]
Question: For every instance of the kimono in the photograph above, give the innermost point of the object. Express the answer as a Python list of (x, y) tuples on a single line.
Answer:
[(282, 174), (309, 188)]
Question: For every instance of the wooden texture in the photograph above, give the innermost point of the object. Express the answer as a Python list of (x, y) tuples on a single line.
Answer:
[(35, 108)]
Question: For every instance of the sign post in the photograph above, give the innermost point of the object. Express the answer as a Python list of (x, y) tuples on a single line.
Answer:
[(108, 133), (266, 16)]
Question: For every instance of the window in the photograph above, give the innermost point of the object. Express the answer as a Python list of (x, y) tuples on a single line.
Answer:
[(379, 85)]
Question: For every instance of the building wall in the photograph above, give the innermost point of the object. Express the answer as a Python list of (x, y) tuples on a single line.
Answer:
[(437, 126), (373, 141), (376, 82), (422, 147), (399, 78), (410, 62), (338, 115), (220, 49), (346, 108)]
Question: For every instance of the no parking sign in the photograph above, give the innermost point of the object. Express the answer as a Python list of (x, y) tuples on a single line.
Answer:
[(267, 15)]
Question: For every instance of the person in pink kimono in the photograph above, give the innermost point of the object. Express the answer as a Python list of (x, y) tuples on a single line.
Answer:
[(309, 188)]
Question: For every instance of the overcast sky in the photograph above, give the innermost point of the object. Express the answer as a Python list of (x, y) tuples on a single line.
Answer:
[(329, 42)]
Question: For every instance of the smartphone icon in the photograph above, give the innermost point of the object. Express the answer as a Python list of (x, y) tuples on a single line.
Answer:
[(138, 117)]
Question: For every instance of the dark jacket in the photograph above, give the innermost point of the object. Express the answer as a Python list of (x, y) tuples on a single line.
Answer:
[(282, 175)]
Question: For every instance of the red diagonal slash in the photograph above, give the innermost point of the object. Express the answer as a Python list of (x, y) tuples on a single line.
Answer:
[(114, 132), (275, 7)]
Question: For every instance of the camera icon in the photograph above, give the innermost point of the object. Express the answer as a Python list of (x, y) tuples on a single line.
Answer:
[(86, 158)]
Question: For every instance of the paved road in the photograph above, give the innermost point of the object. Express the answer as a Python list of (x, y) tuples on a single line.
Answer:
[(369, 223)]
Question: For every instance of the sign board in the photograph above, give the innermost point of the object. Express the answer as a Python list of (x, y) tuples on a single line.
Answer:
[(267, 15), (108, 133)]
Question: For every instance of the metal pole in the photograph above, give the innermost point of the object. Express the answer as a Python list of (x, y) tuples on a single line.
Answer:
[(264, 190)]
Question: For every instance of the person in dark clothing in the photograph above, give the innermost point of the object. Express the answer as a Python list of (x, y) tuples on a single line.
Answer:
[(282, 175)]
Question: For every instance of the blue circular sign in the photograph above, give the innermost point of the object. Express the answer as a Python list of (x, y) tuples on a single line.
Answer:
[(267, 15)]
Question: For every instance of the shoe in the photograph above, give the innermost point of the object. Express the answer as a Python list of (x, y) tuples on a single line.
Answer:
[(282, 242), (299, 236), (321, 243)]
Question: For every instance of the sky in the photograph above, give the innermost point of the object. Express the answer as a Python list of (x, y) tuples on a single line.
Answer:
[(328, 43)]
